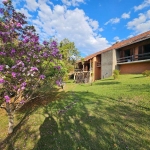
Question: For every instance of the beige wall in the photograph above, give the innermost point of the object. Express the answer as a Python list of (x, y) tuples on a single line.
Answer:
[(108, 63), (96, 70)]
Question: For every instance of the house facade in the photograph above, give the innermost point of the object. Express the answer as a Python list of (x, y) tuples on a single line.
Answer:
[(131, 56)]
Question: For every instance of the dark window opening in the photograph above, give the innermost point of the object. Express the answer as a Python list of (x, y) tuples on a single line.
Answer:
[(127, 53), (140, 51), (147, 48)]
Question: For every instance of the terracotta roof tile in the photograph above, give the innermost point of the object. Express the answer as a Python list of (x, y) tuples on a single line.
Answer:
[(135, 39)]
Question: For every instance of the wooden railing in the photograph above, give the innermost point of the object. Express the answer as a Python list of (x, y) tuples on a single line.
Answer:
[(143, 56), (78, 70)]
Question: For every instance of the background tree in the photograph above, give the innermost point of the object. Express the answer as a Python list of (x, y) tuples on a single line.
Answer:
[(69, 54)]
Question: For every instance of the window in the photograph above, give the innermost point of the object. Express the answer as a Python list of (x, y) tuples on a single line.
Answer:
[(147, 48), (127, 53), (140, 51)]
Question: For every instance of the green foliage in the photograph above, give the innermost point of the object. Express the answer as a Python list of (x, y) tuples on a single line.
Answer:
[(69, 51), (146, 73), (116, 74), (70, 54)]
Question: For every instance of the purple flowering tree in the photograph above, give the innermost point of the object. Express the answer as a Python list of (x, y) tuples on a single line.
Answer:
[(24, 62)]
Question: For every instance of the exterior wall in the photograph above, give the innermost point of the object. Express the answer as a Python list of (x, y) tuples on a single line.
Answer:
[(133, 68), (115, 55), (107, 64), (96, 70)]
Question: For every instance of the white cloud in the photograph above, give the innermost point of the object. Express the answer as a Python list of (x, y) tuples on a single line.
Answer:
[(60, 22), (130, 36), (116, 38), (140, 24), (146, 3), (31, 5), (101, 29), (25, 12), (125, 15), (117, 20), (16, 2), (93, 24), (72, 2), (113, 21)]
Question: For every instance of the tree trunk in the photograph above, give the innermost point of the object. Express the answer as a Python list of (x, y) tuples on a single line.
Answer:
[(10, 113), (10, 122)]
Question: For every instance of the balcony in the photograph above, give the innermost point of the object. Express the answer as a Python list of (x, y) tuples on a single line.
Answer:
[(133, 58)]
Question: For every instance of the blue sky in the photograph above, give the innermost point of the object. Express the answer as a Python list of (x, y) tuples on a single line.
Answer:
[(92, 24)]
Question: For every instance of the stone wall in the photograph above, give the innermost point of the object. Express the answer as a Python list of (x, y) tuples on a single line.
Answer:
[(108, 63)]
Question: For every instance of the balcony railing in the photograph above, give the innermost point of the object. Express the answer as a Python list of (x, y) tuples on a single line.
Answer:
[(138, 57), (77, 70), (81, 70)]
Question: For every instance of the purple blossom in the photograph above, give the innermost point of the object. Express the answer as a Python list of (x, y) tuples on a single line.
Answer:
[(2, 53), (2, 81), (53, 44), (57, 67), (34, 69), (22, 102), (13, 51), (5, 1), (1, 10), (55, 52), (37, 60), (60, 56), (42, 77), (7, 98), (15, 87), (20, 63), (45, 54), (6, 27), (45, 42), (58, 82), (22, 88), (24, 84), (13, 67), (18, 25), (13, 74), (1, 67), (26, 40)]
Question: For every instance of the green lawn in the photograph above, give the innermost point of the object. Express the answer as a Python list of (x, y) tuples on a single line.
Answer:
[(109, 115)]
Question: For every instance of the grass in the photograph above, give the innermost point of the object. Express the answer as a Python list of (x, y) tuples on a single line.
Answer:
[(110, 114)]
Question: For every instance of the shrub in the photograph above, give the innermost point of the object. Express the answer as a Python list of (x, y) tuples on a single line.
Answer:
[(116, 74), (146, 73)]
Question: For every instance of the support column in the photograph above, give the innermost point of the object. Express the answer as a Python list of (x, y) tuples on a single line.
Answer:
[(90, 71), (83, 67)]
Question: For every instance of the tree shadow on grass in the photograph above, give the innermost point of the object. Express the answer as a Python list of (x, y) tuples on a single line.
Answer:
[(86, 121), (107, 83), (67, 128), (25, 111), (138, 77), (93, 124)]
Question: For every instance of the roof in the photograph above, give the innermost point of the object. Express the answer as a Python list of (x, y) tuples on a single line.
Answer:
[(135, 39)]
